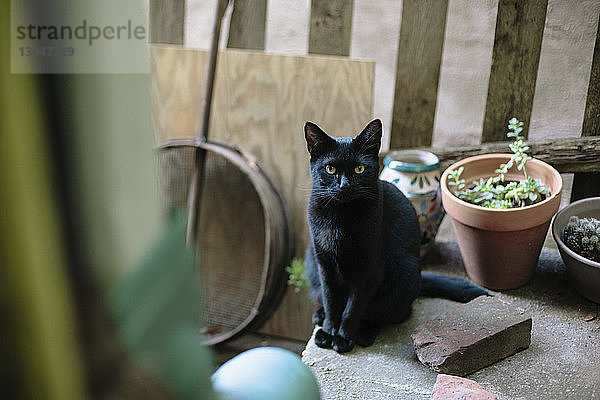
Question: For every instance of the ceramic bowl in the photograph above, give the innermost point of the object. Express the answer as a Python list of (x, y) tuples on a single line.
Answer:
[(585, 274)]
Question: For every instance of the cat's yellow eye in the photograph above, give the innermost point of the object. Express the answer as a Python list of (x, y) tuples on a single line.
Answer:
[(359, 169), (330, 169)]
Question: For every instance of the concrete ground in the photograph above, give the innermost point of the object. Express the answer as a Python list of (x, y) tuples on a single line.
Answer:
[(562, 362)]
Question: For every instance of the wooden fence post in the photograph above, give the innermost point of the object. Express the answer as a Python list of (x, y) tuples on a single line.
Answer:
[(588, 184), (247, 26), (515, 59), (330, 27), (166, 21), (419, 57)]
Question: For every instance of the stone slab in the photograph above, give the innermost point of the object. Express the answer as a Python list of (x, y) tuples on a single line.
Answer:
[(449, 387), (561, 362), (472, 336)]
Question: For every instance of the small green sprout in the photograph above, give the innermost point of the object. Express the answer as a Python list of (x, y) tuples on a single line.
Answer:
[(297, 275), (518, 147)]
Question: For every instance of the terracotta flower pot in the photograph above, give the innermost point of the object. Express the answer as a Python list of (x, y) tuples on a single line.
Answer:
[(500, 248)]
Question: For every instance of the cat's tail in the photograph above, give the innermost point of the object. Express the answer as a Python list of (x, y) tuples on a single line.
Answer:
[(450, 287)]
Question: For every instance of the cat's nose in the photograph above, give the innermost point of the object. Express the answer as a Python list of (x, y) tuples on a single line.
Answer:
[(344, 183)]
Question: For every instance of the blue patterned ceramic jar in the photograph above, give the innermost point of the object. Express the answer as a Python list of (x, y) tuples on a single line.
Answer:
[(417, 174)]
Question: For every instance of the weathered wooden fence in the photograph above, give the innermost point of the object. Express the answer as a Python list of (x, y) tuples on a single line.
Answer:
[(515, 59)]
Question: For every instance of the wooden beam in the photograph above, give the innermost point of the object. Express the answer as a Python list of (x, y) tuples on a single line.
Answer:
[(588, 184), (566, 155), (515, 59), (419, 58), (247, 26), (330, 27), (167, 18)]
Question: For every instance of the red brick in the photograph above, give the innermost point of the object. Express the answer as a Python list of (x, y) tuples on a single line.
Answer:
[(472, 336), (448, 387)]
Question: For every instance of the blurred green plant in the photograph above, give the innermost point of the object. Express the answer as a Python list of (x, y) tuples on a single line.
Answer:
[(297, 275)]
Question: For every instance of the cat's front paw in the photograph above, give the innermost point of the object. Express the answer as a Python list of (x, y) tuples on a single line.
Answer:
[(323, 339), (342, 345)]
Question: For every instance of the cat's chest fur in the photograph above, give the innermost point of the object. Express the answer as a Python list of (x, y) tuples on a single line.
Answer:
[(344, 237)]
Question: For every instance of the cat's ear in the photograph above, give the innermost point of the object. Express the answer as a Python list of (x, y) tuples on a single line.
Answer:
[(317, 141), (369, 140)]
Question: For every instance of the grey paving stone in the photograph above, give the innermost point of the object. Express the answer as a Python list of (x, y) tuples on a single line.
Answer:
[(562, 361)]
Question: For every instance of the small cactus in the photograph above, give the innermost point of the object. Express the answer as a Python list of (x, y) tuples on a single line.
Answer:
[(582, 235)]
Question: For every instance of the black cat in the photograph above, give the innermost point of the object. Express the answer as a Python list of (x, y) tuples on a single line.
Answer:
[(363, 258)]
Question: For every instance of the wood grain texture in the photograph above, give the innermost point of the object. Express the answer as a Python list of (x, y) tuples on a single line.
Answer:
[(330, 27), (260, 103), (166, 21), (591, 118), (247, 26), (418, 70), (515, 59), (566, 155), (588, 184)]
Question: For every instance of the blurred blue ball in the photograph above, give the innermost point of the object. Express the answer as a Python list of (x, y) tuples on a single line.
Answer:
[(265, 373)]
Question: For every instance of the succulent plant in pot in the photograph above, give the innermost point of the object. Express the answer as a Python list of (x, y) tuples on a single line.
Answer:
[(576, 230), (582, 235), (502, 217)]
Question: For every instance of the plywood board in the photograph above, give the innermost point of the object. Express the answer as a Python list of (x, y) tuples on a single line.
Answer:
[(260, 104)]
